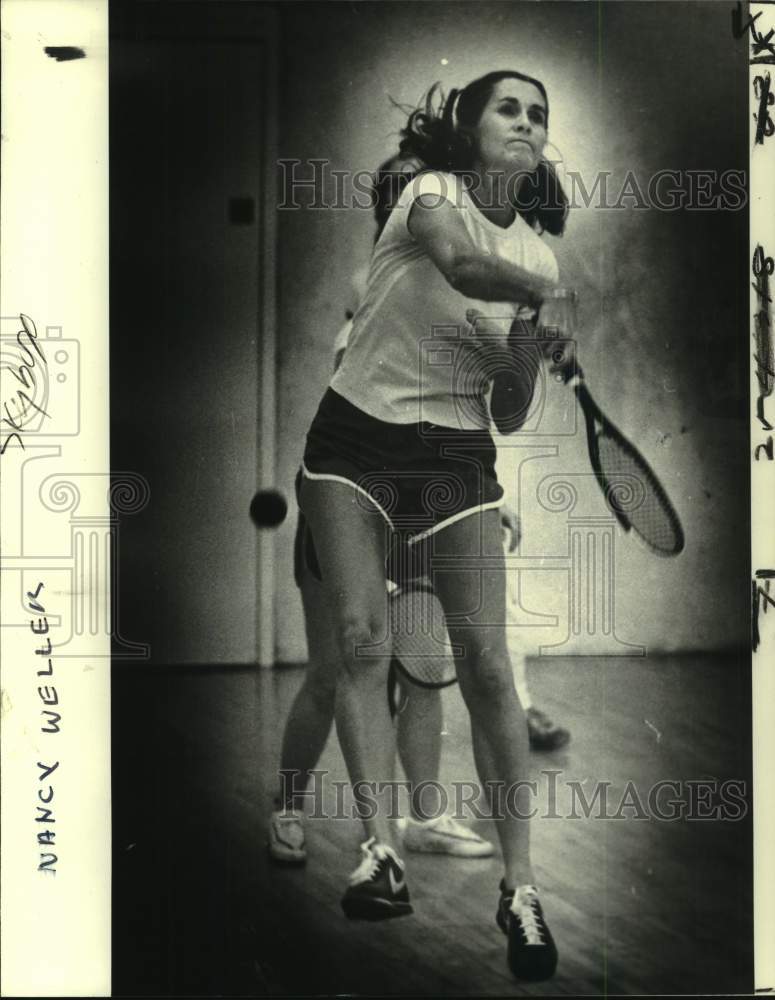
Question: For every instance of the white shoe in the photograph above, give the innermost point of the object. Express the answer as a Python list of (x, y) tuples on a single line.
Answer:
[(286, 837), (443, 836)]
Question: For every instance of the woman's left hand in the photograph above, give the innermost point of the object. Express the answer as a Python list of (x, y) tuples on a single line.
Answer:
[(489, 331)]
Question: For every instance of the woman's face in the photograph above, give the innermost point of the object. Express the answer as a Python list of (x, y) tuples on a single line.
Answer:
[(511, 133)]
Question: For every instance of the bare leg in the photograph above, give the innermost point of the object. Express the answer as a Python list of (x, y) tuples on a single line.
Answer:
[(543, 734), (350, 542), (419, 746), (474, 603), (515, 642), (312, 713)]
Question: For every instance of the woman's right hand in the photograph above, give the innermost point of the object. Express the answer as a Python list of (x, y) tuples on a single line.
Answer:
[(558, 312), (558, 328)]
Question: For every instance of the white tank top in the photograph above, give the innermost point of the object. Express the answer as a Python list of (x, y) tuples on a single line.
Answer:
[(409, 357)]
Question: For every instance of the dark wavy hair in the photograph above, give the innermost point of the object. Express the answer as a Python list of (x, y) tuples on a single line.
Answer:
[(439, 134), (387, 184)]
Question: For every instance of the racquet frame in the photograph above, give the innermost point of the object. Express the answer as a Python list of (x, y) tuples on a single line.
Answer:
[(416, 586), (593, 416)]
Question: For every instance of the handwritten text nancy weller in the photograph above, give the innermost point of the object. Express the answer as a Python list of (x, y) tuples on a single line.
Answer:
[(50, 720)]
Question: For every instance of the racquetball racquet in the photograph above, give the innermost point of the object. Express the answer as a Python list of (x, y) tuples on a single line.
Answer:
[(631, 488), (422, 652)]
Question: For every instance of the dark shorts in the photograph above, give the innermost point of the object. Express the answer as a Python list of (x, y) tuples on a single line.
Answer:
[(421, 477)]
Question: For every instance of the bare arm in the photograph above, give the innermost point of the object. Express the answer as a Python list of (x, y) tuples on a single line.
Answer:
[(439, 230)]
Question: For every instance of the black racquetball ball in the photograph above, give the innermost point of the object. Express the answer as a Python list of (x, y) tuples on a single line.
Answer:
[(268, 508)]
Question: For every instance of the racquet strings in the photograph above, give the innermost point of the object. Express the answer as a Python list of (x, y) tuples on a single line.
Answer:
[(420, 641), (635, 495)]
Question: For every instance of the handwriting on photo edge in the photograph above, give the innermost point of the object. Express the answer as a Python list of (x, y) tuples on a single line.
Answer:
[(765, 126), (762, 42), (49, 696), (762, 267), (22, 370), (761, 599), (762, 46)]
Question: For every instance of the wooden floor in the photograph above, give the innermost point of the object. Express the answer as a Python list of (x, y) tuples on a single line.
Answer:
[(636, 906)]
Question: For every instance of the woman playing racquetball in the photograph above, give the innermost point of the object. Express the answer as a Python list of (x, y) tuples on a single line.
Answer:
[(399, 464)]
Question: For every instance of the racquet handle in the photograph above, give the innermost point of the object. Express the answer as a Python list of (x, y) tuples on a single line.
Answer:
[(557, 327), (561, 364)]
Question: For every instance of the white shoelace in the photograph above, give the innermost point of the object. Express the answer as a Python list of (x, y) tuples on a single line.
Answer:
[(369, 865), (523, 907)]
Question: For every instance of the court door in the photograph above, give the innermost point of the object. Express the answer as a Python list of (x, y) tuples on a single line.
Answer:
[(192, 324)]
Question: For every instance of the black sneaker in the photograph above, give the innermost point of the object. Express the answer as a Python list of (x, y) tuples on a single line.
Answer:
[(532, 954), (377, 889), (543, 733)]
